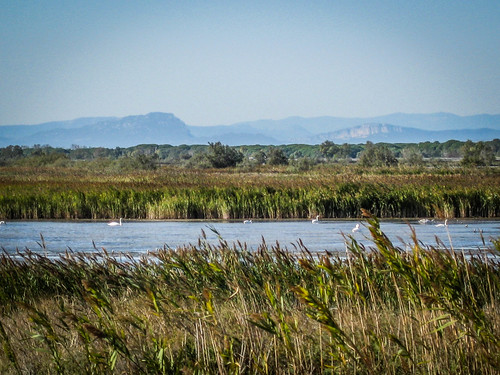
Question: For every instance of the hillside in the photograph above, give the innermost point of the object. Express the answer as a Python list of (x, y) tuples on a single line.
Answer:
[(165, 128)]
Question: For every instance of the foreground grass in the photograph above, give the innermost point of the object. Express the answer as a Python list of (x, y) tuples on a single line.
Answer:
[(224, 309)]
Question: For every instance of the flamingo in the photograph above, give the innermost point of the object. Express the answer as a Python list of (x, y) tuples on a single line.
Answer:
[(315, 221), (114, 223), (356, 228), (443, 225)]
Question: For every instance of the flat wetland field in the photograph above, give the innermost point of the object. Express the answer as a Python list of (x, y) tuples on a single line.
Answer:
[(259, 193), (277, 177)]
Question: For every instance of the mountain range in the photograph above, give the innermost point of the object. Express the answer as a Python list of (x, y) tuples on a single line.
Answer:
[(165, 128)]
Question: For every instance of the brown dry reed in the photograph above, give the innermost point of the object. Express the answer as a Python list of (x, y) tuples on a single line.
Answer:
[(225, 309)]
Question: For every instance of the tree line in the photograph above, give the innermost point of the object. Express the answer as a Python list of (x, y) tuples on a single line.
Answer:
[(218, 155)]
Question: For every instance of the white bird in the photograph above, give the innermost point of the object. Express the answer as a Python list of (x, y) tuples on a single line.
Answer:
[(443, 225), (114, 223), (356, 228), (315, 221), (247, 222), (2, 222), (423, 221)]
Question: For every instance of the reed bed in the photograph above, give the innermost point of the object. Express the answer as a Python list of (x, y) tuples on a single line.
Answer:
[(199, 194), (222, 308)]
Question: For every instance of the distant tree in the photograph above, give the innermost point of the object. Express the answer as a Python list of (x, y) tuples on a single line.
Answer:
[(412, 156), (276, 156), (477, 154), (487, 153), (329, 149), (430, 149), (377, 156), (495, 146), (46, 159), (367, 156), (260, 157), (81, 154), (37, 151), (147, 162), (223, 156), (345, 151), (100, 152), (385, 157), (117, 152), (303, 164), (451, 148), (198, 160), (11, 152)]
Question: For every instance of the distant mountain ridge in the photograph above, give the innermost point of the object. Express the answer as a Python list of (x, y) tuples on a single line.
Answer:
[(165, 128), (399, 134)]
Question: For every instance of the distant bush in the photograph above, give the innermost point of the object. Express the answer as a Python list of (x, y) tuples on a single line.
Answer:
[(276, 156), (477, 154), (223, 156), (377, 156)]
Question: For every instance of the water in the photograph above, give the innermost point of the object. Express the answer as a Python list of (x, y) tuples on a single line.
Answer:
[(139, 237)]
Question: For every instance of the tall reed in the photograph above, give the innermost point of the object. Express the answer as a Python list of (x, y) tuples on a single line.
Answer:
[(340, 201), (171, 193), (224, 308)]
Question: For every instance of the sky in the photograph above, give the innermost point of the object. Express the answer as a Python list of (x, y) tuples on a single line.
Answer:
[(222, 62)]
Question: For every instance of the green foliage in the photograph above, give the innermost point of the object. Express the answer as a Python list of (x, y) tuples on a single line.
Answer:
[(223, 156), (377, 156), (194, 156), (10, 153), (477, 154), (329, 149), (259, 157), (302, 164), (42, 159), (413, 157), (276, 156)]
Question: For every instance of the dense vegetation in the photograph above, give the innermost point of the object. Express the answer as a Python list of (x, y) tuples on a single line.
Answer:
[(222, 309), (266, 192), (276, 182), (216, 155)]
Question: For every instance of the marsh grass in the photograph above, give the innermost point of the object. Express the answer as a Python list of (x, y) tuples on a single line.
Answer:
[(225, 309), (171, 193)]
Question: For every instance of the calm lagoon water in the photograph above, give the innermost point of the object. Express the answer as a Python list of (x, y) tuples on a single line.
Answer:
[(139, 237)]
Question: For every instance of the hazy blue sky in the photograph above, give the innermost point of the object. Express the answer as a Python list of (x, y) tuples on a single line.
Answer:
[(220, 62)]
